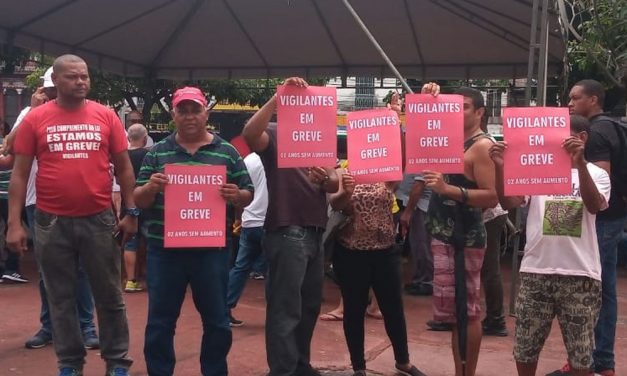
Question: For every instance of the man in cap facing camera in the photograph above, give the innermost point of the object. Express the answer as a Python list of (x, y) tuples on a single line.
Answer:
[(206, 270)]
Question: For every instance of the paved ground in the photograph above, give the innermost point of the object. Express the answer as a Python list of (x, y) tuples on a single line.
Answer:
[(430, 351)]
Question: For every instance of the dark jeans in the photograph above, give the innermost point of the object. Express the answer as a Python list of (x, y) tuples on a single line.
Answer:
[(59, 243), (420, 245), (357, 271), (491, 272), (169, 272), (10, 261), (294, 294), (608, 233), (84, 298), (247, 256)]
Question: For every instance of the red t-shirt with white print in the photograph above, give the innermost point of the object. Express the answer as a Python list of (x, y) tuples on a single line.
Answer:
[(73, 149)]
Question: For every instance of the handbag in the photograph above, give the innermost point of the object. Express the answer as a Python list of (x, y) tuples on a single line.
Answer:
[(336, 222)]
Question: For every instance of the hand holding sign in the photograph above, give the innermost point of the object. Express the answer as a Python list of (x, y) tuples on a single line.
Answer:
[(348, 183), (430, 88), (318, 175), (296, 81), (496, 153), (231, 193), (158, 182), (575, 147), (435, 181)]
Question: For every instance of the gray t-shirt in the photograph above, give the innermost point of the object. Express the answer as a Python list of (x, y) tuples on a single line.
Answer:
[(404, 189)]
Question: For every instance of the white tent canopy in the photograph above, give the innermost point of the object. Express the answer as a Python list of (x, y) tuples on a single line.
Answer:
[(193, 39)]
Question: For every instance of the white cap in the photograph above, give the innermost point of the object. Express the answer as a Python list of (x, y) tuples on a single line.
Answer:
[(47, 77)]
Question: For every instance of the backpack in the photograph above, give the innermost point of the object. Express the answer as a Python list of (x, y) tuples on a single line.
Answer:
[(619, 157)]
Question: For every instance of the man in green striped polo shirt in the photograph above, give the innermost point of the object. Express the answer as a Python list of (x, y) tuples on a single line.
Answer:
[(206, 270)]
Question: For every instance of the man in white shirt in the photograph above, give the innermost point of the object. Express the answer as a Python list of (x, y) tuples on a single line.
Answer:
[(253, 218), (561, 269)]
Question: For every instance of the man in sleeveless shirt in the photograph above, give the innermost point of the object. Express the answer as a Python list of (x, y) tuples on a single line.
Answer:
[(461, 197)]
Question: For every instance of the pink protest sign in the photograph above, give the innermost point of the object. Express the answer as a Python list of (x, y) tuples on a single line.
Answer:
[(306, 126), (435, 133), (535, 162), (194, 213), (374, 146)]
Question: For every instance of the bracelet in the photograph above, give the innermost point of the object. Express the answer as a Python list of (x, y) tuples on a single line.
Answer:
[(464, 194)]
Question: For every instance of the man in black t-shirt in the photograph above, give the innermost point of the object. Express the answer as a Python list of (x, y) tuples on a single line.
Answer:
[(586, 99), (137, 138)]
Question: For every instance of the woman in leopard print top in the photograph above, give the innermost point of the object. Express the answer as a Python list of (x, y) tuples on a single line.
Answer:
[(365, 256)]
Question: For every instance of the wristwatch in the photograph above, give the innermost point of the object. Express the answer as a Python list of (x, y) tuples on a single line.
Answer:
[(133, 212)]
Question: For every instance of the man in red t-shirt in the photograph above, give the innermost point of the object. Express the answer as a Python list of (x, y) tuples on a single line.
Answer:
[(74, 140)]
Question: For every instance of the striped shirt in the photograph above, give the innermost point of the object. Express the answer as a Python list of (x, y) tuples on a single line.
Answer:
[(168, 151)]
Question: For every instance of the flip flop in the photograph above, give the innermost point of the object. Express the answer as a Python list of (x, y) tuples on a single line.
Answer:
[(377, 315), (330, 316)]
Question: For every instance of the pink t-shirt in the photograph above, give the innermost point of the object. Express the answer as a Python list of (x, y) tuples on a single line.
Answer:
[(561, 233), (73, 150)]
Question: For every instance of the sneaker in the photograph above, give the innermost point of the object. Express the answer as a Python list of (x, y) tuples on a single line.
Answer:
[(413, 371), (565, 371), (605, 372), (15, 277), (119, 371), (307, 370), (90, 340), (257, 276), (68, 371), (39, 340), (419, 289), (234, 322), (439, 326), (132, 286), (497, 330), (361, 372)]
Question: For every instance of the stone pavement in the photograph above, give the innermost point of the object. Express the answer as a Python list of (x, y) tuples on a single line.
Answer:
[(429, 351)]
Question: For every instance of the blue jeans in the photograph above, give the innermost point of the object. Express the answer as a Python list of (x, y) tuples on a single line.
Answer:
[(84, 298), (247, 255), (169, 272), (609, 233)]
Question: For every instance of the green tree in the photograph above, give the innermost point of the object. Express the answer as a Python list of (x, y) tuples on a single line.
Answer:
[(598, 39)]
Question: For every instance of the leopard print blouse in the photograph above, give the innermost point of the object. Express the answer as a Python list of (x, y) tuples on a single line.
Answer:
[(371, 226)]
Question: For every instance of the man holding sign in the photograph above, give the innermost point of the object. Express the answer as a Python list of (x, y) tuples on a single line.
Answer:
[(205, 269), (455, 222), (560, 273), (296, 217)]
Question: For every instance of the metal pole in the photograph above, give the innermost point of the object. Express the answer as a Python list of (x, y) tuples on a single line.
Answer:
[(377, 46), (533, 44), (544, 46)]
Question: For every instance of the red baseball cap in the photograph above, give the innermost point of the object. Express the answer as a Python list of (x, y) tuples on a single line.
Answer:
[(240, 145), (189, 93)]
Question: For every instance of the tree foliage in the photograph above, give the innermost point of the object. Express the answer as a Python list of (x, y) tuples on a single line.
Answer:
[(598, 30)]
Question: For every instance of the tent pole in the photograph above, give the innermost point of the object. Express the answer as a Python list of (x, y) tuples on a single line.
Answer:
[(377, 46), (532, 51), (542, 61)]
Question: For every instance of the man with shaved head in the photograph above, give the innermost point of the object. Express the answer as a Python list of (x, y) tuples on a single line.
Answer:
[(73, 140), (137, 138)]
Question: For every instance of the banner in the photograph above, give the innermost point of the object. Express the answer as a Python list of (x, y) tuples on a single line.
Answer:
[(435, 133), (306, 126), (535, 162), (194, 213), (373, 140)]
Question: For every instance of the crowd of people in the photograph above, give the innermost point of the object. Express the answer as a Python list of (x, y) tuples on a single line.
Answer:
[(65, 152)]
